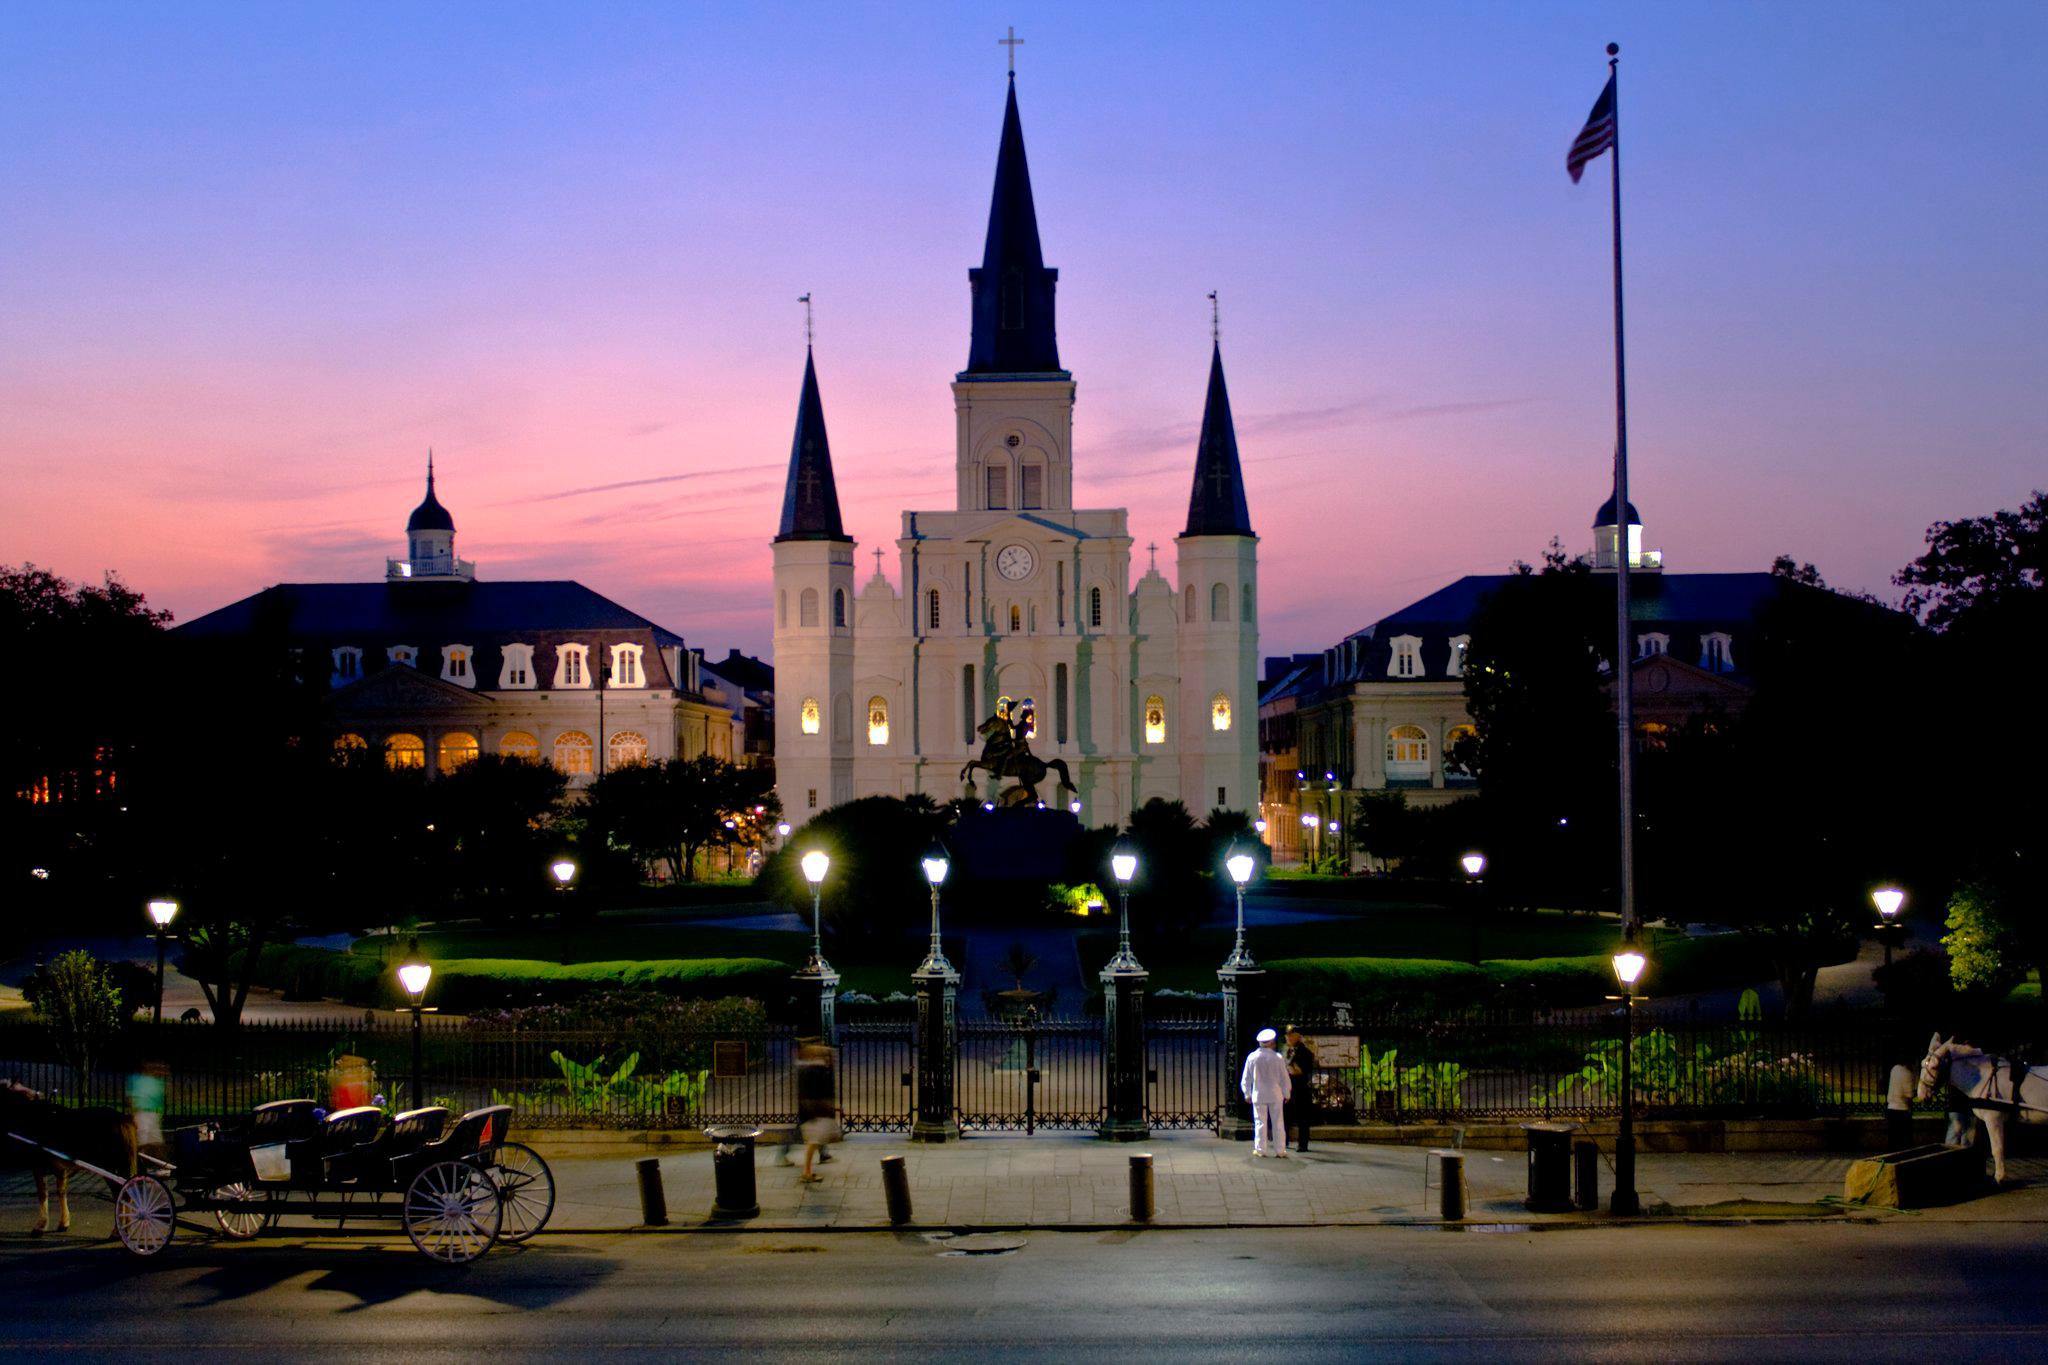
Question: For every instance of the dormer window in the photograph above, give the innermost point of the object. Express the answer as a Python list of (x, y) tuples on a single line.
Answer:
[(1455, 666), (1717, 652), (455, 665), (348, 665), (1407, 657), (1652, 643), (517, 668), (572, 665), (626, 669), (407, 655)]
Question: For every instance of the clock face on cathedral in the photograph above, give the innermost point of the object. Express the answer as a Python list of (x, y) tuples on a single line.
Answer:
[(1014, 562)]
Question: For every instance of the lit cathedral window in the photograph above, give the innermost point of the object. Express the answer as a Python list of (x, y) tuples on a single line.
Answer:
[(1219, 712), (878, 721), (1155, 720), (809, 716)]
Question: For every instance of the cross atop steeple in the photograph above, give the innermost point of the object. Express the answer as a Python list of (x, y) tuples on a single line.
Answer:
[(1013, 42), (878, 561), (1215, 320), (805, 299), (1153, 551)]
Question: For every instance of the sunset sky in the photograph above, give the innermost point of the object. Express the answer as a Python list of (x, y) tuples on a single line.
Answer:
[(258, 258)]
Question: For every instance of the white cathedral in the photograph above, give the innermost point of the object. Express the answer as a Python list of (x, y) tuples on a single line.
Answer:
[(1015, 592)]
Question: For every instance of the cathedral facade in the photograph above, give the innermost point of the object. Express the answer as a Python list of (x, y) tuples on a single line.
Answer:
[(1014, 592)]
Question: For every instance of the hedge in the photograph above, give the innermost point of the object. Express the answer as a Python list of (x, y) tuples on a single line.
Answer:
[(463, 984)]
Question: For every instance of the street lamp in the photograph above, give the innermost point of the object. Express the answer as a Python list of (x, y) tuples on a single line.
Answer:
[(162, 912), (782, 829), (1259, 827), (414, 972), (1889, 900), (1074, 806), (1474, 864), (563, 870), (1240, 865), (1313, 824), (815, 864), (1628, 969), (936, 865), (1123, 861)]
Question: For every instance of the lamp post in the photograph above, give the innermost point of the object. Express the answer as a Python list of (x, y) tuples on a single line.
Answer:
[(1313, 824), (1243, 982), (1628, 969), (815, 978), (563, 870), (1123, 861), (161, 912), (1889, 900), (1474, 865), (937, 987), (1123, 1017), (414, 972)]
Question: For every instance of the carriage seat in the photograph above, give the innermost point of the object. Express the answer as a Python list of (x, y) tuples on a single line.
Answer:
[(406, 1134), (280, 1121), (344, 1129), (478, 1131)]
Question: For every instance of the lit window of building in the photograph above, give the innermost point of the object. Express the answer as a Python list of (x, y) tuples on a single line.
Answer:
[(810, 717), (455, 666), (407, 655), (572, 666), (1155, 720), (573, 752), (519, 744), (624, 749), (405, 751), (1219, 712), (878, 721), (455, 750)]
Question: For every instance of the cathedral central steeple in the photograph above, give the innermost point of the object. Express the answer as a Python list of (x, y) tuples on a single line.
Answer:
[(1012, 288), (810, 500), (1216, 505)]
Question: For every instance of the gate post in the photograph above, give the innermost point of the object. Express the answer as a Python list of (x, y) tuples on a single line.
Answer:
[(817, 1001), (1244, 1003), (1123, 1048), (937, 987)]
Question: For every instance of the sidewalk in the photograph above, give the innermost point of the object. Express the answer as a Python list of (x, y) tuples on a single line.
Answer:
[(1076, 1181)]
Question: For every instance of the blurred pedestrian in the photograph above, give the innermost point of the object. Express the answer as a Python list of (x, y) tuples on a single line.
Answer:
[(1301, 1077), (817, 1102), (1265, 1083)]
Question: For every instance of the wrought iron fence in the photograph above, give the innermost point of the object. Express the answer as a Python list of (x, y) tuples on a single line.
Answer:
[(1020, 1073)]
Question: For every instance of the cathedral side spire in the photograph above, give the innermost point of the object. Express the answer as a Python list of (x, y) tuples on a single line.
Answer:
[(1012, 288), (1216, 506), (810, 501)]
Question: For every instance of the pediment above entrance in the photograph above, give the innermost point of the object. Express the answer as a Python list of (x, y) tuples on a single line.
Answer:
[(406, 691)]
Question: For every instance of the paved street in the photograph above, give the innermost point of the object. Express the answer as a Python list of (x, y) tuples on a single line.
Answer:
[(1898, 1291)]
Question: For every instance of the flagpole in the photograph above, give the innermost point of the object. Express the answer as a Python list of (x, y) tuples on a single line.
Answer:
[(1623, 655)]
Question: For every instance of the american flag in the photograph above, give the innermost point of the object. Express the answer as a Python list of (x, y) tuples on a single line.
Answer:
[(1596, 137)]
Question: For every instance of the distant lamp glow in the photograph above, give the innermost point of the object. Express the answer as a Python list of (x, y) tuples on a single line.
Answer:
[(564, 870), (1311, 820), (415, 972), (815, 864), (1888, 900), (1241, 866), (988, 805), (1334, 827), (1125, 865), (935, 867), (1473, 863), (782, 829), (1259, 826), (41, 874), (163, 912), (1629, 964), (1073, 807)]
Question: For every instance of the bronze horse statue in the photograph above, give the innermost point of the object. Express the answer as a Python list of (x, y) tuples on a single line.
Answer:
[(1006, 752)]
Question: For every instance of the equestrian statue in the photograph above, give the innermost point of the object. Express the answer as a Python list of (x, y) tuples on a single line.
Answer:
[(1006, 752)]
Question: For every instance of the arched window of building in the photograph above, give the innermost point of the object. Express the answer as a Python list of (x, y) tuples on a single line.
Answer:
[(402, 654), (807, 607), (572, 666), (782, 608), (573, 752), (878, 721), (1031, 486), (1652, 643), (1155, 719), (1407, 657), (839, 608), (456, 749), (519, 744), (1219, 711), (1095, 608), (998, 488), (405, 751), (932, 609), (624, 749), (1407, 751), (347, 743), (1652, 736), (627, 669), (1717, 652), (1219, 602), (809, 717), (1016, 618), (1187, 614), (1453, 738), (1059, 703), (348, 665)]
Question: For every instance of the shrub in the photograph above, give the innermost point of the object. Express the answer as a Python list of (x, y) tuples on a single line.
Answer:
[(462, 985), (75, 999)]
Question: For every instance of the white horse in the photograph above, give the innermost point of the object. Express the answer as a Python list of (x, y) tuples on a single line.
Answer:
[(1995, 1087)]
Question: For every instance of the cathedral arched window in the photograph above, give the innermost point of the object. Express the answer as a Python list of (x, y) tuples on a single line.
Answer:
[(1155, 719), (1095, 607), (1219, 602), (782, 608), (573, 752), (455, 749), (624, 749), (878, 721), (1187, 614), (405, 751), (969, 721), (1407, 751), (1219, 711), (809, 718), (839, 608), (1016, 618), (519, 744), (807, 607), (932, 609)]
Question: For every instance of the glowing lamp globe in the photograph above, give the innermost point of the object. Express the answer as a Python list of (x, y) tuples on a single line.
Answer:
[(1241, 867), (935, 867), (564, 870), (414, 972), (1473, 863), (782, 829), (163, 912), (1259, 826), (1628, 966), (1888, 900), (1311, 821), (1074, 807), (815, 864), (1124, 864)]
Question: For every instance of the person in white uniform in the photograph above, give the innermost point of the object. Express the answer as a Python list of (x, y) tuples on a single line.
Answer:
[(1266, 1085)]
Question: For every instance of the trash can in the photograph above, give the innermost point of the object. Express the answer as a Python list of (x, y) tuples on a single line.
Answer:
[(1550, 1167), (732, 1172)]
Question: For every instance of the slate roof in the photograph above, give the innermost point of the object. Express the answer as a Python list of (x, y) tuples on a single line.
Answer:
[(1013, 332), (1605, 516), (430, 515), (1216, 504), (810, 498)]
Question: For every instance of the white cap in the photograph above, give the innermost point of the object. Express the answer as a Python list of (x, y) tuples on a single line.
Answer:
[(1267, 1035)]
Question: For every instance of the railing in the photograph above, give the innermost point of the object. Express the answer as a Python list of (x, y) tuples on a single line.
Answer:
[(1023, 1073)]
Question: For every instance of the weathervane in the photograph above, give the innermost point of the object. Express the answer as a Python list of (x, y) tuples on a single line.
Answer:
[(1013, 42), (1215, 320), (805, 300)]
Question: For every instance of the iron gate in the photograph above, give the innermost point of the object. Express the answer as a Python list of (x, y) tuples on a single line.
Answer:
[(1185, 1074), (1026, 1073), (876, 1063)]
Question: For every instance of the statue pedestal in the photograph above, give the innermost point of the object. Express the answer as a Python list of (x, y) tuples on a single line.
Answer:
[(1014, 843)]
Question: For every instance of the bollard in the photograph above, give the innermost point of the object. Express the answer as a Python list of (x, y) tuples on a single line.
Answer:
[(1141, 1187), (896, 1189), (1586, 1174), (1451, 1197), (653, 1203)]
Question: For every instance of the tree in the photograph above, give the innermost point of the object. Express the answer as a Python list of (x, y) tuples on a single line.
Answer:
[(673, 810), (1980, 567), (1990, 945), (75, 999), (875, 892), (496, 815), (1225, 830), (1170, 894)]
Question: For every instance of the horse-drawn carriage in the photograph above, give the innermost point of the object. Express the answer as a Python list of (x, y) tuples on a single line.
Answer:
[(454, 1184)]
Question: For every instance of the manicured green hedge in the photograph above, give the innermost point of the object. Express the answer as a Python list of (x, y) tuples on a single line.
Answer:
[(463, 984)]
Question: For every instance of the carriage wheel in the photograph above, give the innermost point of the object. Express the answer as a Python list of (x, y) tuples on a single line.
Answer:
[(144, 1214), (526, 1187), (240, 1225), (452, 1212)]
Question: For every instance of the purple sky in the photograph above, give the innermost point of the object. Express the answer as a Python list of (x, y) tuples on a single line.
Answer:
[(258, 258)]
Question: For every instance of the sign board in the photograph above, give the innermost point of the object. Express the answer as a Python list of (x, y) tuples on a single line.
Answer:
[(729, 1059), (1334, 1050)]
